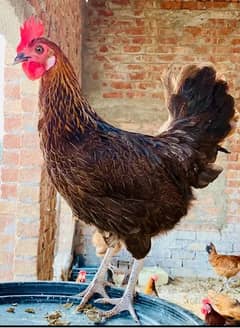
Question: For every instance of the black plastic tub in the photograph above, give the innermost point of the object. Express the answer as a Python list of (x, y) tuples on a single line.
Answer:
[(46, 297)]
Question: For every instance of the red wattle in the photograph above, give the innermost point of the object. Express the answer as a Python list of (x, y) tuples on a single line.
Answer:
[(33, 70)]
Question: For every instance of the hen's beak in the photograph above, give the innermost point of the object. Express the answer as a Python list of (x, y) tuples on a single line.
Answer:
[(20, 58)]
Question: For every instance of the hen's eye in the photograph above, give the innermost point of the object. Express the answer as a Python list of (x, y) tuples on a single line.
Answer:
[(39, 49)]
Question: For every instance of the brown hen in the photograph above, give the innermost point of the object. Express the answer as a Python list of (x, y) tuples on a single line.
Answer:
[(227, 266), (129, 185), (221, 310)]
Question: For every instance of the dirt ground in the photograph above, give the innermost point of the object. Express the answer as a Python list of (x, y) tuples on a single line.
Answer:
[(188, 292)]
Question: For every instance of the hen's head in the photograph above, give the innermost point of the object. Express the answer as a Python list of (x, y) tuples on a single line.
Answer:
[(206, 306), (210, 248), (36, 53), (154, 277)]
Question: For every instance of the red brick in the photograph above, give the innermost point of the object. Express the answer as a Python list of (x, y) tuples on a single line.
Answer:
[(30, 229), (9, 175), (157, 95), (233, 157), (95, 76), (25, 266), (115, 76), (29, 104), (26, 246), (98, 3), (28, 193), (235, 148), (8, 190), (112, 95), (132, 48), (121, 85), (233, 219), (105, 12), (11, 141), (140, 21), (10, 158), (191, 5), (194, 30), (236, 42), (29, 157), (145, 85), (12, 90), (29, 175), (103, 49), (6, 275), (134, 67), (137, 76), (6, 259), (139, 39), (217, 4), (4, 221), (29, 121), (107, 66), (13, 123), (135, 94), (30, 140), (170, 4), (12, 74), (233, 184), (121, 2), (135, 30)]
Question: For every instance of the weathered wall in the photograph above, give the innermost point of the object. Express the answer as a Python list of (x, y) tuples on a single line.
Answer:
[(63, 26), (20, 158), (127, 46), (29, 229)]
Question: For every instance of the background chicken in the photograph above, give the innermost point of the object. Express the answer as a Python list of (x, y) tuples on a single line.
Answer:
[(211, 317), (99, 241), (221, 309), (81, 277), (150, 288), (227, 266), (129, 185)]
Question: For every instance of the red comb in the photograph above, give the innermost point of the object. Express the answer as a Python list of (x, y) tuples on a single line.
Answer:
[(31, 29), (154, 277)]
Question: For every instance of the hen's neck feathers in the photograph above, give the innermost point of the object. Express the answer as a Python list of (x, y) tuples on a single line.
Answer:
[(63, 108)]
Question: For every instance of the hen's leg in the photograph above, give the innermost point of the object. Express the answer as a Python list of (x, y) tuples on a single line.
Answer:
[(224, 286), (125, 303), (98, 284)]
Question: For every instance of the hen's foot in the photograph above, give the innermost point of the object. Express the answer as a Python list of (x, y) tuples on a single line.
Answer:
[(125, 303), (99, 283), (95, 287)]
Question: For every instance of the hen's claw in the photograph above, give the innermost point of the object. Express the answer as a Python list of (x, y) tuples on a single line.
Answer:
[(96, 286), (98, 283), (125, 303), (107, 300), (121, 304)]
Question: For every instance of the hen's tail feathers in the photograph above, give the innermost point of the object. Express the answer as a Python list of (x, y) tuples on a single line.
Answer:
[(201, 109)]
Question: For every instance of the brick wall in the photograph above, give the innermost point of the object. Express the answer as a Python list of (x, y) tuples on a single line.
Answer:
[(20, 161), (63, 26), (29, 226), (127, 46)]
